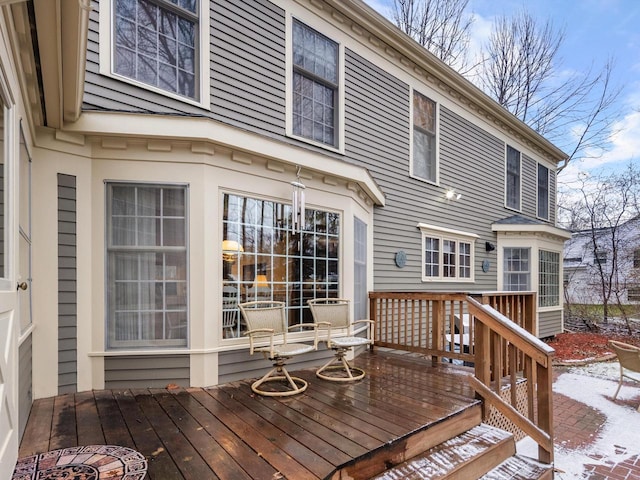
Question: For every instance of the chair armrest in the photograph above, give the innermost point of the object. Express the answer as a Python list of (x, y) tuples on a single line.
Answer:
[(370, 329), (263, 331)]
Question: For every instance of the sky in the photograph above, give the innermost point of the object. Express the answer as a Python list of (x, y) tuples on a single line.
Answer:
[(595, 31)]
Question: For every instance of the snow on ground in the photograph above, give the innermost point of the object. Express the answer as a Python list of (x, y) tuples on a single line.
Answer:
[(617, 440)]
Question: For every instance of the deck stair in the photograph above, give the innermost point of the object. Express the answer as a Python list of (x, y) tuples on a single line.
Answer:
[(483, 452)]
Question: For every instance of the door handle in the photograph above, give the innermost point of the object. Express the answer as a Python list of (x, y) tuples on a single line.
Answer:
[(22, 286)]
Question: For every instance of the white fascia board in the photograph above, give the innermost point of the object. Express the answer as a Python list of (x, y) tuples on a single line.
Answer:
[(207, 130), (530, 228)]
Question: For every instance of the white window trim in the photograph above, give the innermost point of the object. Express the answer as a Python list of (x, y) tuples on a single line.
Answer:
[(535, 243), (437, 155), (506, 203), (11, 144), (204, 48), (338, 129), (538, 164), (457, 236)]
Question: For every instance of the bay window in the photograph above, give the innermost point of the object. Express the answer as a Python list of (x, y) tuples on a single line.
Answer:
[(549, 278), (517, 269), (147, 289), (269, 261)]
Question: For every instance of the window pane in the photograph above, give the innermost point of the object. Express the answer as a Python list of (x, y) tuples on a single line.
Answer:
[(424, 113), (431, 257), (424, 164), (156, 45), (146, 284), (513, 178), (516, 269), (543, 192), (549, 279), (274, 263)]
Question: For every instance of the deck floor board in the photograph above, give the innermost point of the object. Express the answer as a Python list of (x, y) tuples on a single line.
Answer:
[(228, 432)]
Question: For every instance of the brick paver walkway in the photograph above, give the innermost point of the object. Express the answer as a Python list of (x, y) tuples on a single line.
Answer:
[(577, 425)]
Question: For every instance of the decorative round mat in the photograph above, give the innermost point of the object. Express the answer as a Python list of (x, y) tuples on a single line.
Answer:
[(90, 462)]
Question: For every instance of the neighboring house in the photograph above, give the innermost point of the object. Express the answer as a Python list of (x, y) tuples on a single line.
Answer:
[(615, 252), (151, 151)]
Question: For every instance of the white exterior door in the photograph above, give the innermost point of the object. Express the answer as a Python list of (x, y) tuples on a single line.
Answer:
[(9, 321)]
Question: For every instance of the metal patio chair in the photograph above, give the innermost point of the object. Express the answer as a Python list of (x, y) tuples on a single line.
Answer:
[(267, 323), (629, 358), (333, 315)]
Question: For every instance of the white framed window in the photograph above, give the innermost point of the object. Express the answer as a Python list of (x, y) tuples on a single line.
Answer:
[(359, 268), (424, 155), (513, 178), (447, 255), (548, 278), (517, 269), (543, 192), (162, 45), (316, 79), (270, 261), (147, 268)]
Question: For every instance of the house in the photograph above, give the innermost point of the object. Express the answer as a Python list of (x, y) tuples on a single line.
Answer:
[(165, 159), (613, 250)]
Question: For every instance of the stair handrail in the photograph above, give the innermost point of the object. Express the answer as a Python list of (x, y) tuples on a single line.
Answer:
[(494, 332)]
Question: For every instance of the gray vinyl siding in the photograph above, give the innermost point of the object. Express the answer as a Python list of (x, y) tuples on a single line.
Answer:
[(239, 364), (247, 70), (25, 380), (549, 323), (248, 65), (471, 161), (552, 197), (148, 371), (529, 187), (67, 285)]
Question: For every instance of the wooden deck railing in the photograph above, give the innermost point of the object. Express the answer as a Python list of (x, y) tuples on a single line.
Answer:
[(478, 331)]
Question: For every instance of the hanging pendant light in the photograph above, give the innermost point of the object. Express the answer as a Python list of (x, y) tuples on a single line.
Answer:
[(298, 205)]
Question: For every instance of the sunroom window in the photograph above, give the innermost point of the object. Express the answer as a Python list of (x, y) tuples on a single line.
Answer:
[(263, 259), (155, 42), (517, 269), (147, 289), (549, 282)]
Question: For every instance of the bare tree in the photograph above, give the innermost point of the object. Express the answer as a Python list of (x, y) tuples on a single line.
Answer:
[(521, 71), (441, 26), (607, 208)]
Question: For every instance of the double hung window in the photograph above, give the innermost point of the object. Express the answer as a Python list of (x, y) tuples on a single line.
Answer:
[(513, 178), (424, 138), (543, 192), (517, 269), (155, 42), (147, 287), (315, 85), (446, 256)]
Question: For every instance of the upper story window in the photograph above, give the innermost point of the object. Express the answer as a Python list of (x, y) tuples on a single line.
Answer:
[(636, 259), (543, 192), (600, 257), (315, 86), (446, 255), (424, 160), (156, 43), (517, 269), (513, 178)]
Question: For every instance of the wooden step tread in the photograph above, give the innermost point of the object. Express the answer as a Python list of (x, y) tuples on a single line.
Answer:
[(468, 455), (520, 468)]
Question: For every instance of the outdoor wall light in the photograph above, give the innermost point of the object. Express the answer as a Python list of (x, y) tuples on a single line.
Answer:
[(489, 247), (452, 195)]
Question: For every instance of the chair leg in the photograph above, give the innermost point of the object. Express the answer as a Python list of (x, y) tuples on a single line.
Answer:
[(279, 373), (343, 372), (615, 395)]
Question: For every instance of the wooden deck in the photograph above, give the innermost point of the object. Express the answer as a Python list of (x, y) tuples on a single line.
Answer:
[(403, 405)]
